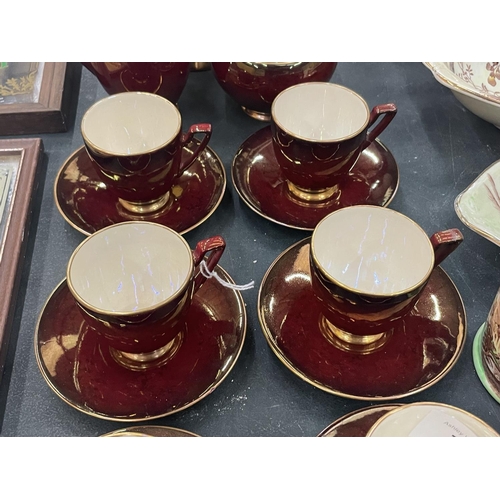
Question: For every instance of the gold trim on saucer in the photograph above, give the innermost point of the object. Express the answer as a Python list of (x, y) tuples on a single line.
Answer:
[(144, 217), (434, 404), (351, 417), (302, 203), (242, 327), (150, 431), (461, 335)]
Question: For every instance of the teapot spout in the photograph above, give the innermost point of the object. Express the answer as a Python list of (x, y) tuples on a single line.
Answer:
[(444, 243)]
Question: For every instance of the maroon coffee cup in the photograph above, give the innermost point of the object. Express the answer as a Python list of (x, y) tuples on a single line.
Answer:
[(167, 79), (319, 131), (369, 266), (134, 283), (254, 85), (135, 140)]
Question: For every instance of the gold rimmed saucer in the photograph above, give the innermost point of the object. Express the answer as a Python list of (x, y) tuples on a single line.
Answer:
[(150, 431), (358, 422), (423, 348), (87, 205), (259, 181), (78, 366)]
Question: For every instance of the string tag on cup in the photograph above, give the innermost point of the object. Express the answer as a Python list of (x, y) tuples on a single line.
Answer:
[(212, 274)]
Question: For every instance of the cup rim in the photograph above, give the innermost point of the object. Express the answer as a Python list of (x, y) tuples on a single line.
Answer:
[(323, 141), (105, 152), (371, 294), (154, 307), (434, 404)]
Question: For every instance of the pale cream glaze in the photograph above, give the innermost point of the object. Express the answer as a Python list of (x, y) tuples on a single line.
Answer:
[(402, 421), (372, 250), (130, 267), (320, 112), (131, 123)]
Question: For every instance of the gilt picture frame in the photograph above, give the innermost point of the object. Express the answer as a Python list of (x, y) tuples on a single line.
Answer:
[(37, 97)]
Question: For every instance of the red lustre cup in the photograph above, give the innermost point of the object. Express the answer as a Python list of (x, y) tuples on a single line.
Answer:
[(167, 79), (369, 266), (135, 141), (134, 283), (254, 85), (319, 131)]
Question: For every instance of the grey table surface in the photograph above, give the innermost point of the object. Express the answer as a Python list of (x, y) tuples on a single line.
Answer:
[(440, 148)]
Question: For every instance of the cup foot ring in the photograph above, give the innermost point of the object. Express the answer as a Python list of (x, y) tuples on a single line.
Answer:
[(348, 342), (313, 196), (146, 361), (149, 207), (257, 115)]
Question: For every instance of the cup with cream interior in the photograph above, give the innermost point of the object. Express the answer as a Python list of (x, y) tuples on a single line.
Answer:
[(319, 131), (369, 266), (136, 143), (134, 283)]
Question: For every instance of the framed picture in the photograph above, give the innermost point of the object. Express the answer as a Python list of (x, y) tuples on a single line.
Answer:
[(37, 97), (19, 160)]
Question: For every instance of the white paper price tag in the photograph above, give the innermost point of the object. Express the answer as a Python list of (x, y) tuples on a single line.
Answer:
[(438, 424)]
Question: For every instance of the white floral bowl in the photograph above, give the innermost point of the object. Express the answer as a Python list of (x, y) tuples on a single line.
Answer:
[(475, 84)]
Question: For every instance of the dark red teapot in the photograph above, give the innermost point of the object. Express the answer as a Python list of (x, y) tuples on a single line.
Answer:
[(254, 85), (166, 79)]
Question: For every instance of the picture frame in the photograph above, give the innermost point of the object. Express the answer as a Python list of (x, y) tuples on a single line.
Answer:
[(19, 166), (37, 98)]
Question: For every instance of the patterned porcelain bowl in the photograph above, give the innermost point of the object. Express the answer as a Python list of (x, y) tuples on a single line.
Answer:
[(475, 84)]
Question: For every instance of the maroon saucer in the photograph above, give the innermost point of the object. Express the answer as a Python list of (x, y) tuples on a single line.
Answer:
[(422, 349), (260, 183), (86, 203), (79, 368), (150, 431), (357, 423)]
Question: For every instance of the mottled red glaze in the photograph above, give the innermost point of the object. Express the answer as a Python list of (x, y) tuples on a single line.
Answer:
[(148, 331), (167, 79), (359, 314), (259, 180), (147, 177), (424, 346), (77, 364), (89, 205), (254, 85), (362, 314), (142, 333), (314, 165)]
